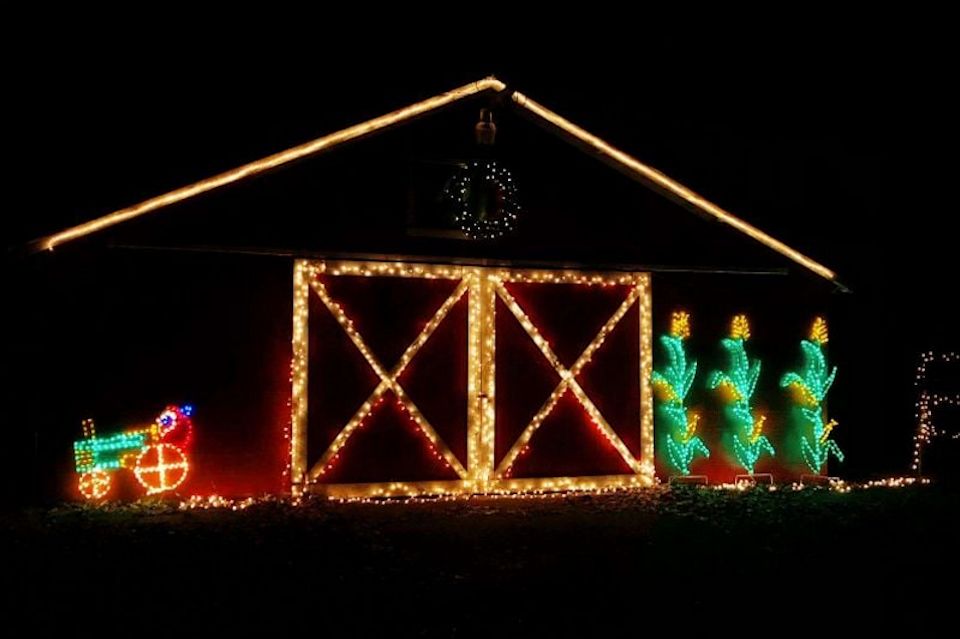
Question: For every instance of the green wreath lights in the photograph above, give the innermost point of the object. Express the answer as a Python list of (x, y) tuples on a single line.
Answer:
[(484, 197), (736, 385), (671, 387), (809, 388)]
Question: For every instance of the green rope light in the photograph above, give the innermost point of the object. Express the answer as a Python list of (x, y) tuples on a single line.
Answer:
[(809, 388), (671, 387), (736, 386)]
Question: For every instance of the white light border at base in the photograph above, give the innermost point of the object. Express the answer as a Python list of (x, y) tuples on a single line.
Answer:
[(496, 487), (927, 401), (483, 286)]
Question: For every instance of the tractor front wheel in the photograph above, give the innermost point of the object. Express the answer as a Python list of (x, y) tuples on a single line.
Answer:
[(95, 484)]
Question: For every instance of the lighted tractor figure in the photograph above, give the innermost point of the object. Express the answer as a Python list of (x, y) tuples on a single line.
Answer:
[(156, 454)]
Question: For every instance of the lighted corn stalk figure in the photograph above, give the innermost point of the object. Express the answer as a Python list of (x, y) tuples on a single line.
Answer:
[(672, 386), (810, 387), (736, 385)]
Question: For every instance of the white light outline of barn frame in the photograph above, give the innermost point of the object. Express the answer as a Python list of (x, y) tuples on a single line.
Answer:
[(481, 474)]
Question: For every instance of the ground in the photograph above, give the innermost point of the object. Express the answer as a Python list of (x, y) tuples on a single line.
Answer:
[(657, 560)]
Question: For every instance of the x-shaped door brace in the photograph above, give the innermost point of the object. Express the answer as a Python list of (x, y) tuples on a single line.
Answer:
[(389, 380), (567, 381), (484, 285)]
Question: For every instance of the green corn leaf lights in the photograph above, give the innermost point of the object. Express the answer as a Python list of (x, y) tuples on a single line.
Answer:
[(671, 387), (736, 385), (809, 387)]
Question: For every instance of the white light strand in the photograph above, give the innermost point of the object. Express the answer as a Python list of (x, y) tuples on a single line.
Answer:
[(567, 381), (400, 494), (250, 169), (302, 272), (647, 466), (388, 381), (587, 278), (394, 269), (927, 401), (480, 475)]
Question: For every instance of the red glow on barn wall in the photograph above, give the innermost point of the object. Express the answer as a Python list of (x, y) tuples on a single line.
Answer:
[(569, 316), (389, 313)]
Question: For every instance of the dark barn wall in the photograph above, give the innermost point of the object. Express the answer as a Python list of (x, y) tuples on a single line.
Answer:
[(568, 317), (389, 313), (116, 335)]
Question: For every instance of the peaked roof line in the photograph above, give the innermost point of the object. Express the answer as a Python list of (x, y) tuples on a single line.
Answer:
[(307, 149), (568, 130), (665, 184)]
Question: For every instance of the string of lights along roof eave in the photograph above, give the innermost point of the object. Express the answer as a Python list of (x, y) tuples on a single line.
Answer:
[(650, 175), (644, 173), (311, 148)]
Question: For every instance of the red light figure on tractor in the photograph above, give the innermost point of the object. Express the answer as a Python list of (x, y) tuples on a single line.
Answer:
[(156, 453)]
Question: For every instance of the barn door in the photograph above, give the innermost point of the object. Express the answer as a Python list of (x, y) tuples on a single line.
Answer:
[(425, 379), (572, 364)]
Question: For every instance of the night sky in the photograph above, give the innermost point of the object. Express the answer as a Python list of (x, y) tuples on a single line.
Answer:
[(840, 142)]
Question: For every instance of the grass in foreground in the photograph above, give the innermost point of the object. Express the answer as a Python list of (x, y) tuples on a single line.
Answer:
[(511, 565)]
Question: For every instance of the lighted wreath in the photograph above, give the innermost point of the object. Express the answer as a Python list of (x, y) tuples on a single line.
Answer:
[(484, 199)]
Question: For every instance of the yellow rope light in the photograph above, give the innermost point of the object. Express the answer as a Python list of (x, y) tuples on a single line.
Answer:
[(819, 332), (637, 168), (567, 381), (480, 474), (481, 328), (327, 142), (307, 149), (642, 282), (651, 175), (302, 273), (388, 381)]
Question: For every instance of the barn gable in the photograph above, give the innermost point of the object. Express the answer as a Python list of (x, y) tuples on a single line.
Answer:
[(318, 203)]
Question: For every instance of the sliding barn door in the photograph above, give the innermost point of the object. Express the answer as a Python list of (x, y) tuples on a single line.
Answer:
[(572, 365), (424, 379)]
